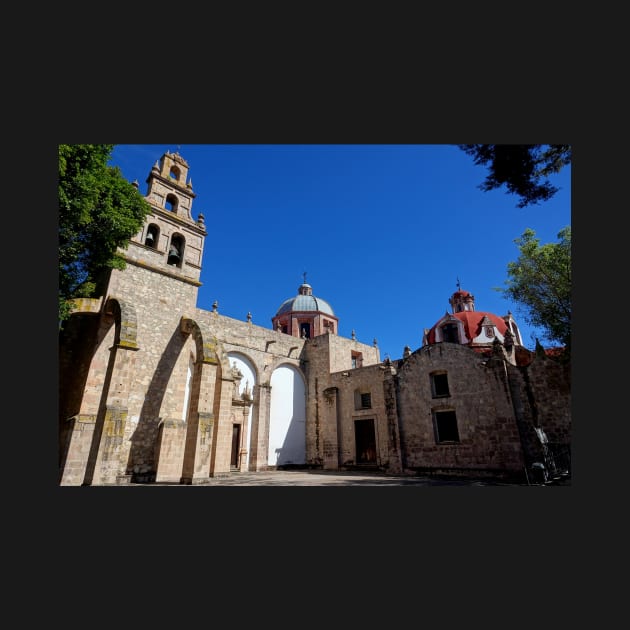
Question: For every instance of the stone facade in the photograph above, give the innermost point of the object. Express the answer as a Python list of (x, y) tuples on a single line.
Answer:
[(153, 388)]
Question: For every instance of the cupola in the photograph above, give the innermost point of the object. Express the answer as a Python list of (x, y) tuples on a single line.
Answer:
[(305, 315)]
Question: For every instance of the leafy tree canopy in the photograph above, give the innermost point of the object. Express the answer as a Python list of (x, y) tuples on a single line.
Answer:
[(540, 282), (99, 211), (522, 168)]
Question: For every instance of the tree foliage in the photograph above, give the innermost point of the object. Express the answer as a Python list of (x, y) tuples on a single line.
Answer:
[(522, 168), (99, 211), (540, 281)]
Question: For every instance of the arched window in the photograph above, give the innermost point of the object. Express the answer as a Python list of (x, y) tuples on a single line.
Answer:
[(176, 250), (171, 202), (174, 173), (153, 236)]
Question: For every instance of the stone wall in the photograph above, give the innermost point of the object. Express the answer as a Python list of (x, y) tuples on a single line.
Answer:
[(478, 394)]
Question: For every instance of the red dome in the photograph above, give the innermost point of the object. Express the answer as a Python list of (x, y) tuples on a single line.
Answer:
[(472, 321)]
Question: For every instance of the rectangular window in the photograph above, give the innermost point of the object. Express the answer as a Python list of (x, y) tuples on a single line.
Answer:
[(449, 333), (446, 426), (362, 399), (357, 360), (439, 385)]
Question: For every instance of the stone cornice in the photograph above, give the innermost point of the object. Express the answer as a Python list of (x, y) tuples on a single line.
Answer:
[(172, 184), (164, 272), (171, 216)]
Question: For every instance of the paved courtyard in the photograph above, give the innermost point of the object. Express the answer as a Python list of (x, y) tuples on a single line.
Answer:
[(339, 478)]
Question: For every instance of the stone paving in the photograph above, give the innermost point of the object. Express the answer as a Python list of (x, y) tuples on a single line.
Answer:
[(339, 478)]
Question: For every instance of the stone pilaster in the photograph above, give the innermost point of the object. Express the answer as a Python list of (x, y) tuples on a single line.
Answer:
[(222, 443), (170, 446), (328, 426), (113, 450), (201, 427), (80, 433)]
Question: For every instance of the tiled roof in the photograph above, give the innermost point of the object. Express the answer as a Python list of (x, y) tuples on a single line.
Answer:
[(305, 303), (472, 323)]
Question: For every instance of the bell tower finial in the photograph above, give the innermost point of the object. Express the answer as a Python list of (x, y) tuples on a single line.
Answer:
[(304, 276), (459, 286)]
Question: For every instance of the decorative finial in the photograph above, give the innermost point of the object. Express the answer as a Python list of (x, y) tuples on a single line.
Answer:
[(354, 335), (249, 317), (215, 306), (459, 286), (304, 275), (375, 342)]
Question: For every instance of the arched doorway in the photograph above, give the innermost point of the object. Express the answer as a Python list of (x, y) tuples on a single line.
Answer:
[(248, 381)]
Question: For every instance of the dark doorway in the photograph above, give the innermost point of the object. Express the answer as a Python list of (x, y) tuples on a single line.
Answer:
[(236, 445), (365, 441)]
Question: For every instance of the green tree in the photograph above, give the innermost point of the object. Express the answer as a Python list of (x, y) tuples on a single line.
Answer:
[(540, 282), (522, 168), (99, 211)]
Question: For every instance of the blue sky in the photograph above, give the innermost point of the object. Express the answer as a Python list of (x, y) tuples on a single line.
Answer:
[(383, 232)]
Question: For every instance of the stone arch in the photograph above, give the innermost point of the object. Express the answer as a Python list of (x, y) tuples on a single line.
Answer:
[(247, 387), (206, 452), (126, 322), (208, 347), (279, 360), (94, 414)]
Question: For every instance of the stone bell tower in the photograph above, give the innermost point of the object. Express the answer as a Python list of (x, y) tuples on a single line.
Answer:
[(171, 241)]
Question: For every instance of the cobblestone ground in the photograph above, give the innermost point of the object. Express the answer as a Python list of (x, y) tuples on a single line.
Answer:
[(336, 478)]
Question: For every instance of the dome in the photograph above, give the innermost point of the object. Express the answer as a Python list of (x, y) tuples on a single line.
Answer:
[(476, 329), (305, 301), (473, 322)]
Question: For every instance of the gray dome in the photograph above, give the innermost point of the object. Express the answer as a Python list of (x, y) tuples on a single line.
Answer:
[(305, 301)]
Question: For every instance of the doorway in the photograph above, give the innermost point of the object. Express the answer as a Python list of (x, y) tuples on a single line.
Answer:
[(236, 446), (365, 441)]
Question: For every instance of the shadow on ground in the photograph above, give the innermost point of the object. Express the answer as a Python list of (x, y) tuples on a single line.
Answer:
[(340, 478)]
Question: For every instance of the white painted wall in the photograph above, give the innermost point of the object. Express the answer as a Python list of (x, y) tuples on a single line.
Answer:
[(187, 391), (249, 380), (287, 422)]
